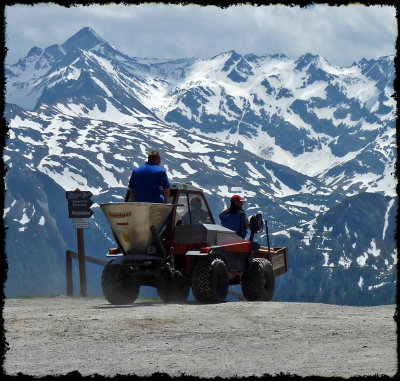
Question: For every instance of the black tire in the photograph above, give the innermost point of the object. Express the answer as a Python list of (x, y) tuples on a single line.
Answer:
[(172, 289), (119, 284), (258, 283), (174, 292), (210, 280)]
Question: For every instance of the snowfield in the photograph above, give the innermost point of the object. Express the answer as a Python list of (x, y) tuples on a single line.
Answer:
[(58, 335)]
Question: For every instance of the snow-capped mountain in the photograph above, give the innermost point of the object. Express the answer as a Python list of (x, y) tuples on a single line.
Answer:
[(297, 138), (306, 114)]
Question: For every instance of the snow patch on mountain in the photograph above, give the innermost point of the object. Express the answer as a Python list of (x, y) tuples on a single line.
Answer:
[(373, 250), (385, 226), (188, 169)]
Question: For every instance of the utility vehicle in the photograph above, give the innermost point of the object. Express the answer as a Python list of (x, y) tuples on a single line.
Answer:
[(177, 246)]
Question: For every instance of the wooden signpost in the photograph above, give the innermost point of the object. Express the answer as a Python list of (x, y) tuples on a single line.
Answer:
[(79, 203)]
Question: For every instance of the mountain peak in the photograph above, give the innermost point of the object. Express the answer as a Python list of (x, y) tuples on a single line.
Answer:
[(305, 60), (85, 39), (87, 29), (35, 51)]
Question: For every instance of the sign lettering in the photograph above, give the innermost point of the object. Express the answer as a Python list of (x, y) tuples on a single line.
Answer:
[(79, 204)]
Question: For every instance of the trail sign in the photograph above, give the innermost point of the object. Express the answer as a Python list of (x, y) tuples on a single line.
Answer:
[(81, 223), (80, 212), (78, 194), (79, 203)]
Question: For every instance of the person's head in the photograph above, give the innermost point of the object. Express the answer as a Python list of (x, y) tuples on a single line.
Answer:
[(154, 157), (238, 201), (195, 203)]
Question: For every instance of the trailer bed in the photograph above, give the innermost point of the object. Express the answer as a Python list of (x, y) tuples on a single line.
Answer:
[(278, 256)]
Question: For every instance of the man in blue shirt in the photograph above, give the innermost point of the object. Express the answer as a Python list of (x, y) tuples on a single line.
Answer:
[(235, 217), (149, 183)]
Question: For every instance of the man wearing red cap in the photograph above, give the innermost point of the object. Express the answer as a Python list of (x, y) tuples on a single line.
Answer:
[(235, 217)]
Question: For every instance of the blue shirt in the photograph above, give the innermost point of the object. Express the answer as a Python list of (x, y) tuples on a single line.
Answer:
[(234, 219), (149, 181)]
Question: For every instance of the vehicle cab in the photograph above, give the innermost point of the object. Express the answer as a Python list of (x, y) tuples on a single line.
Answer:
[(192, 206), (192, 209)]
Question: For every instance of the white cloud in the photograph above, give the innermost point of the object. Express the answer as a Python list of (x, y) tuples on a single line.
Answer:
[(341, 34)]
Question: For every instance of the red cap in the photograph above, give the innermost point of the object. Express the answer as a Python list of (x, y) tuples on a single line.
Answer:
[(236, 197)]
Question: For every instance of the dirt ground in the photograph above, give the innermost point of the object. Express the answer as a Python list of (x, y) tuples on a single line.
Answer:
[(58, 335)]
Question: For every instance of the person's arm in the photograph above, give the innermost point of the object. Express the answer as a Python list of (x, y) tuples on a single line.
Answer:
[(165, 185), (131, 187), (131, 195), (166, 194), (246, 223)]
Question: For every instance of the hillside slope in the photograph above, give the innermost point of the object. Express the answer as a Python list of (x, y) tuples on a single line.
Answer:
[(348, 254)]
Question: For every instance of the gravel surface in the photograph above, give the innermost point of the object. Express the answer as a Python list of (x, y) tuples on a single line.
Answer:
[(58, 335)]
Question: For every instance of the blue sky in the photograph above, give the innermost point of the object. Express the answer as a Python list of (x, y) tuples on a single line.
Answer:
[(342, 35)]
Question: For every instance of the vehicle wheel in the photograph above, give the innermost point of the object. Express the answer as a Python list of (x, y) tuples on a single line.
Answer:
[(210, 280), (172, 289), (174, 292), (258, 283), (119, 284)]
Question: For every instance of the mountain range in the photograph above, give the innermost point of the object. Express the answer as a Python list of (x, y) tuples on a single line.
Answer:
[(310, 145)]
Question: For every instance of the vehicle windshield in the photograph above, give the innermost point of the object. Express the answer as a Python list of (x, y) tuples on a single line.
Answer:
[(199, 213), (192, 210)]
